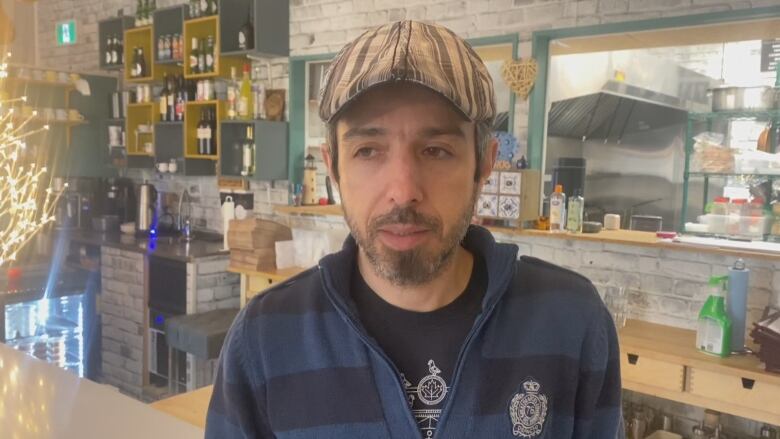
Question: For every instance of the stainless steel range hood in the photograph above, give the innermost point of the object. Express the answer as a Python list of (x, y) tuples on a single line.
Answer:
[(607, 95)]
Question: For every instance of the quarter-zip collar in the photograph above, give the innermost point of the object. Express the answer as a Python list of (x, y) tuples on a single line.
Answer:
[(336, 271)]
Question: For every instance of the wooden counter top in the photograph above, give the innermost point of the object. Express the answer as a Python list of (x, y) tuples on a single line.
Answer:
[(678, 345), (190, 407), (275, 275)]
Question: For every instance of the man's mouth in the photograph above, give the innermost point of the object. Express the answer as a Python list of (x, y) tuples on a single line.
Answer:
[(401, 237)]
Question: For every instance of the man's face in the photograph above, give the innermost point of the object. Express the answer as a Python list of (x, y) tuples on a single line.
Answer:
[(406, 163)]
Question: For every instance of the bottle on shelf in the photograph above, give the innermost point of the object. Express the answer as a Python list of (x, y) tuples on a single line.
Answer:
[(141, 63), (213, 8), (245, 101), (557, 209), (232, 95), (258, 91), (139, 13), (161, 48), (119, 58), (176, 47), (575, 212), (201, 132), (248, 153), (201, 56), (181, 97), (171, 110), (109, 49), (203, 8), (210, 129), (164, 100), (194, 56), (194, 8), (210, 54), (246, 35)]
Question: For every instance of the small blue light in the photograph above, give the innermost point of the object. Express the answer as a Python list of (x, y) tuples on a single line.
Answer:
[(152, 231), (159, 320)]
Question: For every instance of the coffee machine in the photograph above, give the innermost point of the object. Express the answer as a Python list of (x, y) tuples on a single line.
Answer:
[(120, 199)]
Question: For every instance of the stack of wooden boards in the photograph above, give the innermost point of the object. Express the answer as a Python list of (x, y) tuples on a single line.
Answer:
[(252, 243)]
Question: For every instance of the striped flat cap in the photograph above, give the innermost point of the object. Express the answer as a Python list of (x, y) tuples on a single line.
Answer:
[(421, 53)]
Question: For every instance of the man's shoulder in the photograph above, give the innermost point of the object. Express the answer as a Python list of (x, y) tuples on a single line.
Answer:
[(300, 294), (555, 284)]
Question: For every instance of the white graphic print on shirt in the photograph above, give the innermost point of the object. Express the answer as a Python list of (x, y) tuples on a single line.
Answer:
[(429, 392)]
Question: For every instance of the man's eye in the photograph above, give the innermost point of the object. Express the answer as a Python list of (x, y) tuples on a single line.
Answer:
[(365, 153), (437, 152)]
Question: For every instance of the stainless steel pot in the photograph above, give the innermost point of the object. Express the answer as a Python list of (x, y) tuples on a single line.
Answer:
[(729, 98), (147, 201)]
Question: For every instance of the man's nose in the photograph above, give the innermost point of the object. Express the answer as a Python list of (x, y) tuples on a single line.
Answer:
[(405, 178)]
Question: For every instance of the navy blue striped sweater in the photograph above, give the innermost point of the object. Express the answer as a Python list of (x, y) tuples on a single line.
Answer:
[(541, 361)]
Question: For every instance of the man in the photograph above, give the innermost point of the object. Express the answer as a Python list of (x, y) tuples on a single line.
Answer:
[(422, 326)]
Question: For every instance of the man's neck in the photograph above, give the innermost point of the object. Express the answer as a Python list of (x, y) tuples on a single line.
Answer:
[(430, 296)]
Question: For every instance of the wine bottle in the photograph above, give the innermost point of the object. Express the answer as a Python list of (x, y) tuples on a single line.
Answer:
[(245, 101), (120, 49), (201, 132), (210, 54), (246, 35), (248, 153), (204, 7), (139, 13), (171, 110), (109, 44), (208, 131), (194, 57), (115, 51), (201, 57), (213, 9), (164, 100), (232, 95), (141, 63), (180, 98)]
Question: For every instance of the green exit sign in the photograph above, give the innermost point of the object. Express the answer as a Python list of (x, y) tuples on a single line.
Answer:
[(66, 33)]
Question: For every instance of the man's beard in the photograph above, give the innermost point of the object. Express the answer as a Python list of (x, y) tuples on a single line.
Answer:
[(418, 265)]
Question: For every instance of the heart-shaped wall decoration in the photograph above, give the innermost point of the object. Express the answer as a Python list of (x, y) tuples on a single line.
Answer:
[(520, 75)]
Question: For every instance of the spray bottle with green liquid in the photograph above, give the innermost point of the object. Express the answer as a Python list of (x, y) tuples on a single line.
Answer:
[(713, 335)]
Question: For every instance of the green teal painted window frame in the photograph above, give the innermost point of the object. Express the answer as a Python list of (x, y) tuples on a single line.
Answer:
[(541, 53), (297, 90)]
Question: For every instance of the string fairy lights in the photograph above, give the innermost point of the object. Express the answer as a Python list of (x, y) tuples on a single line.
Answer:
[(26, 200)]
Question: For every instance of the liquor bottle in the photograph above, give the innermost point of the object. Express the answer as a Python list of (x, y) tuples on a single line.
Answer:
[(248, 153), (213, 9), (194, 57), (210, 54), (194, 8), (258, 90), (164, 100), (232, 95), (201, 57), (201, 132), (204, 8), (245, 101), (171, 110), (109, 48), (160, 48), (135, 63), (246, 35), (181, 97)]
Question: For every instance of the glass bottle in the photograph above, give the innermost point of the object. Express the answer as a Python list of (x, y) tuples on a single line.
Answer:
[(557, 209), (194, 57), (201, 57), (164, 100), (248, 153), (245, 101), (246, 35), (210, 54), (575, 212), (232, 92)]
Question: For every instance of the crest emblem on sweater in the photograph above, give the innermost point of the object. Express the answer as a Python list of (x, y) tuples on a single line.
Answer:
[(527, 410), (430, 391)]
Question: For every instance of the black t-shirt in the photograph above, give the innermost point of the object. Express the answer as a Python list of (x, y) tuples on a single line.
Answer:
[(424, 346)]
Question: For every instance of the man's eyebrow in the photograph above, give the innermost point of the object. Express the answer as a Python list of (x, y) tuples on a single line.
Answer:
[(364, 132), (451, 130)]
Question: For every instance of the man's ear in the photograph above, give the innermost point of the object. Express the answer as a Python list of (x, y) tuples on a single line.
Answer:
[(491, 152), (328, 159)]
